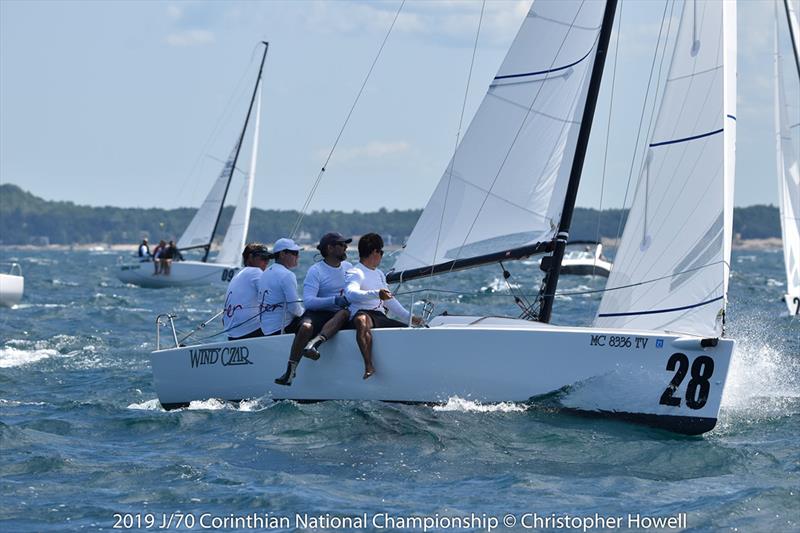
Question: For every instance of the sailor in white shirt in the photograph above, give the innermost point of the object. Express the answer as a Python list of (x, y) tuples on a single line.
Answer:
[(370, 298), (241, 315), (323, 296), (281, 308)]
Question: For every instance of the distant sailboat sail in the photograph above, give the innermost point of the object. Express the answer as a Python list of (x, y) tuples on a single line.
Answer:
[(504, 187), (787, 134), (671, 269), (200, 231), (233, 244)]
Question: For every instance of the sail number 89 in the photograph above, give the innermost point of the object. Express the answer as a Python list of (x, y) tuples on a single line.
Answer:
[(698, 387)]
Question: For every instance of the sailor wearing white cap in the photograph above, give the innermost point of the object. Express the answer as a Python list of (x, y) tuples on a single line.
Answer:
[(280, 304)]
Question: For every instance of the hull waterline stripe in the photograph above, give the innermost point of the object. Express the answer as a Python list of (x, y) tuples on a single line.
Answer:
[(509, 76), (685, 139), (656, 311)]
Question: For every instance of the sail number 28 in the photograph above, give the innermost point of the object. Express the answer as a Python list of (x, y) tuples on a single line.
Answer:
[(698, 387)]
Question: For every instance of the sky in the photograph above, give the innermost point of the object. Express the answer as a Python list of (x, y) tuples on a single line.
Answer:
[(135, 104)]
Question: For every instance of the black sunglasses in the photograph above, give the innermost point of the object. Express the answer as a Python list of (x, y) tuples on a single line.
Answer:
[(380, 252), (292, 252)]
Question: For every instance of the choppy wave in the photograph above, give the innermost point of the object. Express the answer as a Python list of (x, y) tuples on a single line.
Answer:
[(11, 357)]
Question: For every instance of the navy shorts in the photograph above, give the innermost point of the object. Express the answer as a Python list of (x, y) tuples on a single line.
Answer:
[(318, 319), (380, 320)]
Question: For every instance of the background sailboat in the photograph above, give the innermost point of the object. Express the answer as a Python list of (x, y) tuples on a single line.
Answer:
[(787, 143), (508, 193), (202, 229)]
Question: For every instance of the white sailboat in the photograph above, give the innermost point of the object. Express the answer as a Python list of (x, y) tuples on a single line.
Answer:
[(202, 229), (787, 137), (588, 260), (508, 193), (12, 285)]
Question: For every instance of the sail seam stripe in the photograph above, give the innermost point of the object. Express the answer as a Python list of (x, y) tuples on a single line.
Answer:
[(685, 139), (522, 75), (656, 311)]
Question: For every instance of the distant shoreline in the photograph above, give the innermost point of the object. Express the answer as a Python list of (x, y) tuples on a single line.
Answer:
[(772, 243)]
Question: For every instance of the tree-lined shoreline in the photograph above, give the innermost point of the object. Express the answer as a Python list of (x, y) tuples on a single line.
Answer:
[(26, 219)]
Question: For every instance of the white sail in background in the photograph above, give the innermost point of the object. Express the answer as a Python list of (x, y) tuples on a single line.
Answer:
[(787, 125), (671, 269), (231, 251), (505, 185), (201, 228)]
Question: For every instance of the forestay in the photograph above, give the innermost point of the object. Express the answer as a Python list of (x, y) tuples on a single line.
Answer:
[(671, 269), (787, 122), (235, 237), (201, 229), (504, 187)]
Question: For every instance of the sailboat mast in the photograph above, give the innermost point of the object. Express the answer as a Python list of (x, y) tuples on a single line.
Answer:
[(554, 264), (238, 149), (792, 34)]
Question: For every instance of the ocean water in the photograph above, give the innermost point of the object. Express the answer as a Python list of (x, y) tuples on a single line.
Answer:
[(84, 444)]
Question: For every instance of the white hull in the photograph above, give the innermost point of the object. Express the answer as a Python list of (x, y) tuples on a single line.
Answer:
[(586, 267), (792, 303), (11, 289), (483, 359), (182, 274)]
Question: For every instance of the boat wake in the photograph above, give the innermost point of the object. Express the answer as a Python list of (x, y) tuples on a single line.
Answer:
[(455, 403)]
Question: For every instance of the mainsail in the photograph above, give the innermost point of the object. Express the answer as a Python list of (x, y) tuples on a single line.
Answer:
[(787, 136), (200, 231), (233, 244), (504, 187), (671, 269)]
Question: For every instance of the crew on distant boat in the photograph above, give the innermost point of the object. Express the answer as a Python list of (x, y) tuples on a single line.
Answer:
[(167, 255), (240, 317), (157, 253), (281, 308), (369, 296), (323, 296), (144, 251)]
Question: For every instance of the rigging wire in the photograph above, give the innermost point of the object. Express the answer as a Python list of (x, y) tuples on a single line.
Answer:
[(608, 127), (458, 135), (237, 94), (644, 107), (344, 125)]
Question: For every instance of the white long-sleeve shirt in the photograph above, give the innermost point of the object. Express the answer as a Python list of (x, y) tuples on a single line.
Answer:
[(323, 284), (242, 304), (362, 287), (280, 303)]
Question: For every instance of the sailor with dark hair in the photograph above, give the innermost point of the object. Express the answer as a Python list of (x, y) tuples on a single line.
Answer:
[(241, 314), (370, 298), (144, 251), (323, 297)]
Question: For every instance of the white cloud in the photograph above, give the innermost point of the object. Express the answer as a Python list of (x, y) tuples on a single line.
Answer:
[(190, 38), (371, 150)]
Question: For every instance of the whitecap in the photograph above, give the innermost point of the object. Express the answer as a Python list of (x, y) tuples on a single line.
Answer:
[(499, 285), (12, 357), (149, 405), (774, 283), (454, 403)]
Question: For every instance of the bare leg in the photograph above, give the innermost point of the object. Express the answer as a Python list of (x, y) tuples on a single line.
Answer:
[(336, 323), (303, 332), (363, 324)]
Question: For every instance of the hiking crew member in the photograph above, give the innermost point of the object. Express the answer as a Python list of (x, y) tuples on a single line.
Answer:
[(370, 298), (281, 308), (144, 251), (241, 315), (323, 296)]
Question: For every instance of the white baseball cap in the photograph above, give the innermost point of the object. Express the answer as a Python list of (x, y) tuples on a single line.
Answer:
[(285, 244)]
